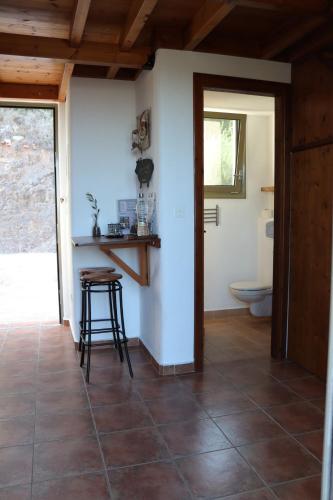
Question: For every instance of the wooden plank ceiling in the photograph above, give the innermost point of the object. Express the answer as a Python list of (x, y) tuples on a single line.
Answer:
[(44, 42)]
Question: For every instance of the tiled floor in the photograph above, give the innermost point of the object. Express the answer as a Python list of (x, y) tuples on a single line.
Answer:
[(247, 428)]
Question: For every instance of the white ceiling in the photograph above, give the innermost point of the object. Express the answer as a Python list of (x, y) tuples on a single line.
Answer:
[(229, 101)]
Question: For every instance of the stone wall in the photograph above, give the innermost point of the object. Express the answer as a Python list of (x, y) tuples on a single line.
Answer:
[(27, 181)]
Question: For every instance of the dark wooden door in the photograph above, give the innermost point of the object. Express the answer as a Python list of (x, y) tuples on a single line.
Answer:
[(310, 257)]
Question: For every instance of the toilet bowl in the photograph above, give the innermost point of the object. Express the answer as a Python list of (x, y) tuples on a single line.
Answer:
[(255, 293)]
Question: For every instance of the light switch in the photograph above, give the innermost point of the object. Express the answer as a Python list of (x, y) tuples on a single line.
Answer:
[(179, 213)]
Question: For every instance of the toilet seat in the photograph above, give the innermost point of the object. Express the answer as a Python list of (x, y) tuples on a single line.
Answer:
[(250, 285)]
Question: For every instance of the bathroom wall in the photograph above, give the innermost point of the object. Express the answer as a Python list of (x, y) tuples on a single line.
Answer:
[(231, 249)]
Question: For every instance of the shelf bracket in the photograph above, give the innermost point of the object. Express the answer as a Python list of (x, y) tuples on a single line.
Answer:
[(143, 278)]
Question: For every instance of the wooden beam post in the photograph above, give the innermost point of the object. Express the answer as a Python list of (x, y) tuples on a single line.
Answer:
[(206, 19), (64, 84), (79, 21), (137, 17)]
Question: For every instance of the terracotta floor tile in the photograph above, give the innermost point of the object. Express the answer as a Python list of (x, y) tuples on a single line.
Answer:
[(18, 369), (308, 388), (224, 402), (16, 493), (219, 473), (271, 394), (61, 401), (169, 410), (121, 416), (287, 370), (248, 427), (280, 460), (298, 417), (203, 382), (304, 489), (159, 388), (61, 458), (18, 356), (86, 487), (17, 431), (247, 375), (144, 371), (313, 441), (17, 385), (17, 405), (15, 465), (67, 363), (319, 403), (111, 375), (262, 494), (101, 395), (54, 356), (133, 447), (138, 356), (60, 381), (158, 481), (195, 436), (63, 425)]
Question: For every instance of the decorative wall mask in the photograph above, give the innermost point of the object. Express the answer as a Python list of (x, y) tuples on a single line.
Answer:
[(141, 135), (144, 170)]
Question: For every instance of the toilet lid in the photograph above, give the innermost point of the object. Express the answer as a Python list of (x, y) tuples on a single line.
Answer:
[(250, 285)]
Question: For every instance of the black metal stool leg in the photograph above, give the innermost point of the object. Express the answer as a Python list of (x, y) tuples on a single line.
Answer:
[(83, 351), (116, 323), (112, 317), (83, 314), (89, 336), (123, 331)]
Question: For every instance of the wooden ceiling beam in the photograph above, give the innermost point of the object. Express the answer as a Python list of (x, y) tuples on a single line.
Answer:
[(98, 54), (298, 6), (291, 36), (137, 17), (28, 91), (206, 19), (79, 21), (112, 71), (318, 41), (64, 84)]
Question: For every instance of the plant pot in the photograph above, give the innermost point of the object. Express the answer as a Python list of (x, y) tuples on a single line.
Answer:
[(96, 231)]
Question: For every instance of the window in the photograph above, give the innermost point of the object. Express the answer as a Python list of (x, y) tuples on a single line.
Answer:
[(224, 155)]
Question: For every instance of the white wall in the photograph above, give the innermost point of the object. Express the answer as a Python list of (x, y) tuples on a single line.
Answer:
[(231, 249), (173, 109), (102, 115), (151, 303)]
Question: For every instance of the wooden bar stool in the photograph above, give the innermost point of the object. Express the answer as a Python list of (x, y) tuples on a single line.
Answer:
[(106, 283), (84, 272)]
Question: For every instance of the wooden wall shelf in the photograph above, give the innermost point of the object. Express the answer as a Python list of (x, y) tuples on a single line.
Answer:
[(267, 189), (107, 245)]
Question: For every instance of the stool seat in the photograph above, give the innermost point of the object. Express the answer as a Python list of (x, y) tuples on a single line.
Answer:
[(102, 277), (88, 270)]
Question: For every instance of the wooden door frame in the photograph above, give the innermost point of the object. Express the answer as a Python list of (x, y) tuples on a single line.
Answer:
[(280, 91)]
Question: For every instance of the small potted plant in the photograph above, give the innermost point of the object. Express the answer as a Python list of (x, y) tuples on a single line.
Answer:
[(93, 202)]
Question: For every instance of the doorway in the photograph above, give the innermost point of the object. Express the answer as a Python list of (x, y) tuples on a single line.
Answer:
[(238, 225), (29, 285), (202, 84)]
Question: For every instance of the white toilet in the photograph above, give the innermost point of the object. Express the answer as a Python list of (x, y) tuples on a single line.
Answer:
[(258, 294), (255, 293)]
